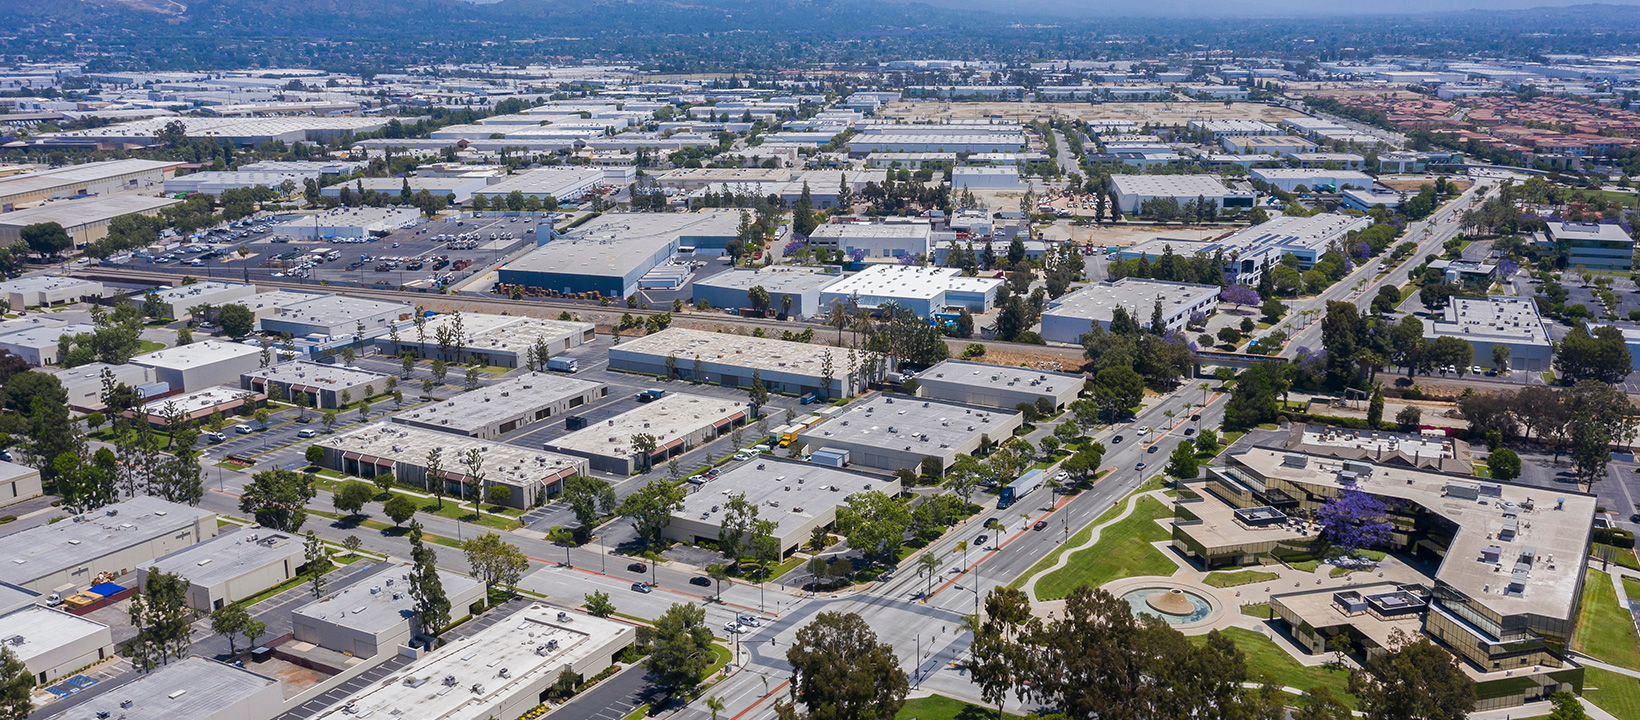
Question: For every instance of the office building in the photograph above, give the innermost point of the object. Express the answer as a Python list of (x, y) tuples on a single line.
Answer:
[(1364, 199), (322, 386), (180, 299), (492, 411), (1071, 316), (996, 386), (1597, 246), (18, 483), (41, 290), (802, 285), (53, 644), (860, 241), (193, 688), (115, 539), (677, 422), (86, 220), (84, 383), (1132, 191), (197, 405), (231, 567), (1466, 272), (798, 496), (202, 364), (922, 290), (335, 316), (390, 448), (1512, 322), (609, 254), (1321, 180), (377, 614), (494, 340), (893, 433), (729, 360), (38, 345)]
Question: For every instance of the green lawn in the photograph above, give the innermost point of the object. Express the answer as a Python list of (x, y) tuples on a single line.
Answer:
[(1080, 537), (940, 707), (148, 346), (1264, 657), (1632, 588), (1258, 610), (1308, 566), (1605, 630), (1123, 550), (1235, 579), (1620, 556), (1614, 693)]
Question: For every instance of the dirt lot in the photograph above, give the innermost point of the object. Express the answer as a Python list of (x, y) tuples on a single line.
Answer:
[(1163, 113)]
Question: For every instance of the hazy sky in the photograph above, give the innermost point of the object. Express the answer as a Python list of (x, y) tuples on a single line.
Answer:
[(1221, 8)]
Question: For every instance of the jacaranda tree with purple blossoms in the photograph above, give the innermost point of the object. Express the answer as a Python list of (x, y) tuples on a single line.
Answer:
[(1354, 521), (1239, 295)]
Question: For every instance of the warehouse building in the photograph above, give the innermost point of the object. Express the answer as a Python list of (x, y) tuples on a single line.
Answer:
[(677, 421), (232, 566), (922, 290), (202, 364), (336, 316), (558, 184), (1364, 199), (1220, 129), (727, 359), (495, 410), (1267, 145), (53, 644), (1487, 322), (731, 289), (495, 340), (38, 345), (192, 688), (18, 483), (891, 433), (85, 220), (322, 385), (499, 672), (383, 448), (997, 386), (910, 160), (93, 178), (1290, 179), (797, 496), (268, 304), (1132, 191), (84, 383), (1069, 317), (178, 300), (115, 539), (346, 222), (460, 187), (42, 290), (216, 182), (943, 142), (986, 178), (377, 614), (876, 240), (196, 405), (609, 254)]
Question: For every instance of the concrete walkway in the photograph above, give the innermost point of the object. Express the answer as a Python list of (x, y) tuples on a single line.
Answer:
[(1093, 538)]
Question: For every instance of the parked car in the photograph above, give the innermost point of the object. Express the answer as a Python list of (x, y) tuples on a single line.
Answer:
[(641, 587), (701, 580), (243, 429), (215, 437), (637, 567), (307, 433)]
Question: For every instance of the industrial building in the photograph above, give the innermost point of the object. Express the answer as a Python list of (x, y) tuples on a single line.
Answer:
[(192, 688), (18, 483), (1510, 560), (462, 188), (216, 182), (196, 405), (74, 181), (997, 386), (377, 614), (797, 496), (495, 410), (1290, 179), (383, 448), (728, 359), (321, 385), (802, 285), (115, 539), (1601, 246), (910, 160), (38, 345), (609, 254), (499, 672), (922, 290), (86, 220), (1132, 191), (202, 364), (1364, 199), (41, 290), (1069, 317), (1267, 145), (954, 141), (893, 433), (1221, 129), (985, 178), (876, 240), (677, 422), (495, 340), (337, 316), (84, 383), (558, 184), (1512, 322), (268, 304), (232, 566), (348, 222), (215, 293), (53, 644)]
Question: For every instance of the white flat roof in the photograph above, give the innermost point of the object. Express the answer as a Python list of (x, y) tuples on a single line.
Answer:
[(35, 630), (507, 464), (1099, 301), (618, 242), (1170, 185), (1508, 320), (230, 555), (545, 182), (195, 401), (744, 351), (978, 374), (668, 419), (378, 602), (193, 355), (189, 688), (319, 375), (894, 422), (76, 213), (41, 283), (44, 336), (789, 492), (334, 309), (182, 293), (40, 551), (513, 397), (907, 281)]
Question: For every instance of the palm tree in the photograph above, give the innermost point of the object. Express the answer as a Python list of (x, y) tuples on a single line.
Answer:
[(930, 564), (715, 704)]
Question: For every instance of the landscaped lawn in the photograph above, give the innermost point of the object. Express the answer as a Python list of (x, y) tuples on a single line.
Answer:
[(1605, 630), (1264, 657), (1619, 556), (1235, 579), (1080, 537), (940, 707), (1123, 550), (1258, 610), (1308, 566), (1612, 692)]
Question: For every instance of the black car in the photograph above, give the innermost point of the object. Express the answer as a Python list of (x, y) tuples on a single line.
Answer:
[(1189, 431), (1040, 524), (701, 580), (1197, 416), (638, 568), (1116, 439), (1151, 449), (980, 540)]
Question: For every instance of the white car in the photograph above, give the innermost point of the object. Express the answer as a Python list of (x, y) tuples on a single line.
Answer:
[(1475, 370), (1144, 429), (733, 628), (749, 621)]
